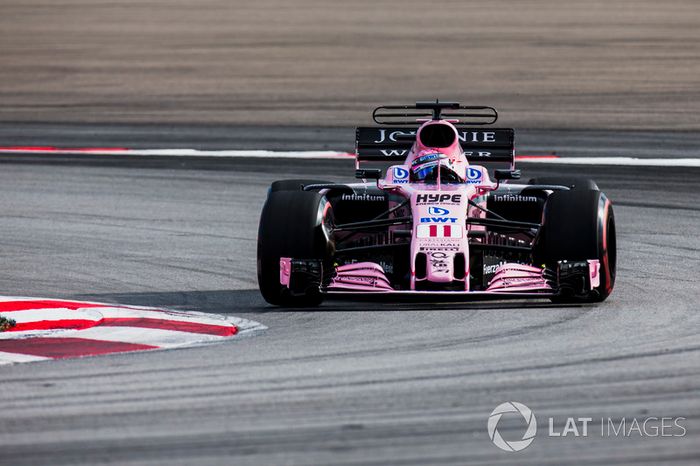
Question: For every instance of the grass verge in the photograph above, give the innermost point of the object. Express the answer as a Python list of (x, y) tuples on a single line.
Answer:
[(6, 324)]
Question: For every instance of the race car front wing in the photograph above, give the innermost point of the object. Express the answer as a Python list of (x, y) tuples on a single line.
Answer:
[(513, 280)]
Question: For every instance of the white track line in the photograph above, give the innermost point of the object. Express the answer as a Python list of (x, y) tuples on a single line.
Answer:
[(327, 154), (267, 154), (620, 161), (12, 358)]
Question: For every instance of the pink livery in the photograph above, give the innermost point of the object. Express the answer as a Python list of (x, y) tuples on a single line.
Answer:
[(439, 223)]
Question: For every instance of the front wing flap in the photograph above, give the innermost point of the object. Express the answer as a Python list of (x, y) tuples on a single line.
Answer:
[(511, 280)]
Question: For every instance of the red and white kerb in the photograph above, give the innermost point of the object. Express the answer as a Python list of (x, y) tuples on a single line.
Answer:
[(56, 329)]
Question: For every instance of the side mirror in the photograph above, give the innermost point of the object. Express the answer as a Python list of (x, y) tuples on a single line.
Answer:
[(501, 175), (368, 173)]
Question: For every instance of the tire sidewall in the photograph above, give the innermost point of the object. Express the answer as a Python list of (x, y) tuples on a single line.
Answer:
[(579, 225), (294, 224), (607, 247)]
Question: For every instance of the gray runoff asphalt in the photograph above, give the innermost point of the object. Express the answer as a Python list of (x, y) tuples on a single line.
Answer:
[(542, 63), (348, 383)]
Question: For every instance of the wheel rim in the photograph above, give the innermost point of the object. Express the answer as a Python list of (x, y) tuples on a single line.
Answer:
[(611, 250)]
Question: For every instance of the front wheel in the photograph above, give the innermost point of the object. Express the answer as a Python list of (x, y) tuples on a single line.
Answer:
[(293, 224), (580, 225)]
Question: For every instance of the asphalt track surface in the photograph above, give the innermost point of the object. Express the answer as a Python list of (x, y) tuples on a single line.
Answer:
[(348, 383)]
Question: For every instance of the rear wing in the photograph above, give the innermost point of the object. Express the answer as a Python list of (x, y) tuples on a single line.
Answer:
[(389, 143)]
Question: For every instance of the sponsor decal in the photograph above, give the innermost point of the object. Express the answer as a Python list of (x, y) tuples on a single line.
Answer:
[(438, 198), (432, 210), (383, 136), (417, 168), (480, 154), (438, 219), (474, 175), (438, 261), (364, 197), (425, 162), (442, 245), (514, 198), (464, 136), (491, 269), (439, 231), (427, 249), (399, 175), (476, 136), (514, 281), (427, 158), (393, 152), (371, 281), (491, 265)]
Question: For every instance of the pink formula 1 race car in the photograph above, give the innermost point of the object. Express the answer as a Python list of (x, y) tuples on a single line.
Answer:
[(438, 225)]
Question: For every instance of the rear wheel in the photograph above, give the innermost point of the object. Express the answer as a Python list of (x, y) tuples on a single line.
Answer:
[(293, 224), (571, 182), (580, 225)]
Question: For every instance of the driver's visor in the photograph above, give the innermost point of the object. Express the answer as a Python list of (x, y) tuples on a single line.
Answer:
[(425, 170)]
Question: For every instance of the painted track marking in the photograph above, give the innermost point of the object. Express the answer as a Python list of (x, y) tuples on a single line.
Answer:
[(548, 159), (57, 329)]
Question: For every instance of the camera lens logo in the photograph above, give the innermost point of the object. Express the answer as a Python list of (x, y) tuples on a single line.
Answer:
[(528, 436)]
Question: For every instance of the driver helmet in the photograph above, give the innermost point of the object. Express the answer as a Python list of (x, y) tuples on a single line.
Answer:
[(425, 168)]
